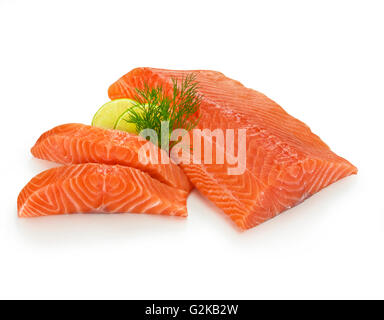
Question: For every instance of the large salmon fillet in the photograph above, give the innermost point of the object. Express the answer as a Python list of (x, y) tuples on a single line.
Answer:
[(98, 188), (76, 143), (285, 162)]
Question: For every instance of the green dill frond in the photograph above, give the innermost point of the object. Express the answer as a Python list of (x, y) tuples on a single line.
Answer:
[(153, 106)]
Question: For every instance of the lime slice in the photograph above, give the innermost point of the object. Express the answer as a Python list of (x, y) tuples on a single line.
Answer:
[(123, 124), (107, 115)]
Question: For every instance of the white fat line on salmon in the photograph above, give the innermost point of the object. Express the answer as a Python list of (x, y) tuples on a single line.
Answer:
[(156, 310), (198, 152)]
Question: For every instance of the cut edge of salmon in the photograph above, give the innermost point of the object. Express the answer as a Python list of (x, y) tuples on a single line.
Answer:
[(62, 143), (324, 175), (98, 188)]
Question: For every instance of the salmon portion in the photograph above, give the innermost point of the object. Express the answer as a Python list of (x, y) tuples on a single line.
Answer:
[(285, 162), (78, 143), (98, 188)]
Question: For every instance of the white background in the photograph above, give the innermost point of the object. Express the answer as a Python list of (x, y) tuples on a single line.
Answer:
[(321, 60)]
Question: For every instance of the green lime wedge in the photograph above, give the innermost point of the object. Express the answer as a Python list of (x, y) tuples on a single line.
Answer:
[(108, 114), (123, 124)]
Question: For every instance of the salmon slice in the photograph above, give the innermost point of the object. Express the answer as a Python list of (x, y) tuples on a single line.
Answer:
[(285, 162), (78, 143), (98, 188)]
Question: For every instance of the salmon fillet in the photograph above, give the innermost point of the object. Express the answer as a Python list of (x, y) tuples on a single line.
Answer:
[(98, 188), (285, 162), (78, 143)]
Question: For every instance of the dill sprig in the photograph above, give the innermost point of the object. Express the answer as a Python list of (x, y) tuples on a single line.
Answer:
[(153, 106)]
